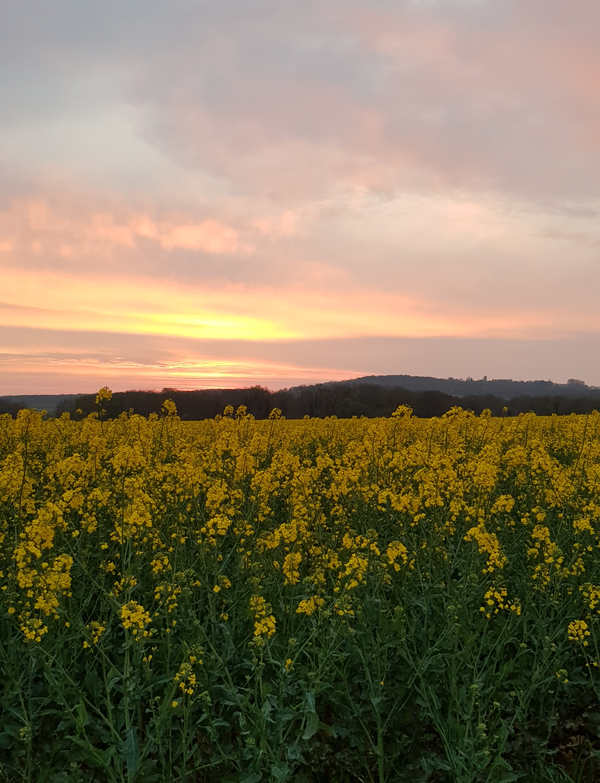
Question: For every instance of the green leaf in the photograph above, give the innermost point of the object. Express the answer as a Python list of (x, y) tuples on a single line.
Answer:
[(310, 702), (293, 753), (312, 726), (251, 777), (131, 753), (82, 715), (280, 772)]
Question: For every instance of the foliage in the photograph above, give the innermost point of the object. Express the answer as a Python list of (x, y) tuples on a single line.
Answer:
[(349, 398)]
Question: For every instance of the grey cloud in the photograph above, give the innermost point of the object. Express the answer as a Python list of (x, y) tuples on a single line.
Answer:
[(292, 100), (492, 108)]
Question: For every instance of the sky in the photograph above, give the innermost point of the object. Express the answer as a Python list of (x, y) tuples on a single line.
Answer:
[(197, 194)]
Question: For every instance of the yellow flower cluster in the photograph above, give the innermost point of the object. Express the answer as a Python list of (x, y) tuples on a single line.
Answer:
[(304, 516), (166, 595), (219, 524), (310, 605), (547, 553), (186, 678), (135, 619), (123, 585), (592, 596), (291, 564), (578, 631), (264, 621), (395, 550), (488, 544), (495, 600), (33, 628), (95, 631), (104, 395)]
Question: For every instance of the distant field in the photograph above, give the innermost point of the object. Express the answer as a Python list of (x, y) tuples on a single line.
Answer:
[(315, 600)]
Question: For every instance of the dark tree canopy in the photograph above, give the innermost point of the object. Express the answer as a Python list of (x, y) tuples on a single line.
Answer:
[(340, 399)]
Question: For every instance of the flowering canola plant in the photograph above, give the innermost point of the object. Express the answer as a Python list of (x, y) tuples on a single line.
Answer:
[(131, 542)]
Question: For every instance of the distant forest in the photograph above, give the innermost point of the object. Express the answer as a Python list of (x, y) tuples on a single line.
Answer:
[(505, 388), (368, 396), (343, 400)]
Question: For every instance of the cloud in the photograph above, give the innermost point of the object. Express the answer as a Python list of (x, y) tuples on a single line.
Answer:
[(51, 361), (209, 236), (388, 97), (450, 262), (280, 102), (58, 226), (288, 171), (284, 224)]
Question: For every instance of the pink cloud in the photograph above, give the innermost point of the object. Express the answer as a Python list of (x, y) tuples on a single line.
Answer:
[(71, 229), (284, 224), (210, 236)]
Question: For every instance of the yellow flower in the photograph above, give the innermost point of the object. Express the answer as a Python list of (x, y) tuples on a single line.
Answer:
[(104, 395), (264, 622), (310, 605), (578, 632), (135, 618), (290, 567)]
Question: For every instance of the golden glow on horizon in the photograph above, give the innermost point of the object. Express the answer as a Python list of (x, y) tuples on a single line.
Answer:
[(60, 374), (51, 300), (208, 368), (213, 325)]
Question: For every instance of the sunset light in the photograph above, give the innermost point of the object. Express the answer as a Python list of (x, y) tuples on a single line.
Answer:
[(394, 177)]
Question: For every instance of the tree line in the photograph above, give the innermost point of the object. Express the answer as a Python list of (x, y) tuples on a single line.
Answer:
[(340, 399), (7, 406)]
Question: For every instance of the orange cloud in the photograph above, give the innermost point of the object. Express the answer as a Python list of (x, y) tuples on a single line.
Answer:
[(140, 306)]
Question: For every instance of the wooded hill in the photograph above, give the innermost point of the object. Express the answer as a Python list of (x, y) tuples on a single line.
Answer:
[(367, 396)]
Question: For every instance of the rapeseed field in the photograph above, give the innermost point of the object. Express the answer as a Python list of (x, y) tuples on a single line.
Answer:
[(310, 600)]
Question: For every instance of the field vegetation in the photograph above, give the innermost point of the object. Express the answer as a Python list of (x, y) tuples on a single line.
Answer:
[(299, 600)]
